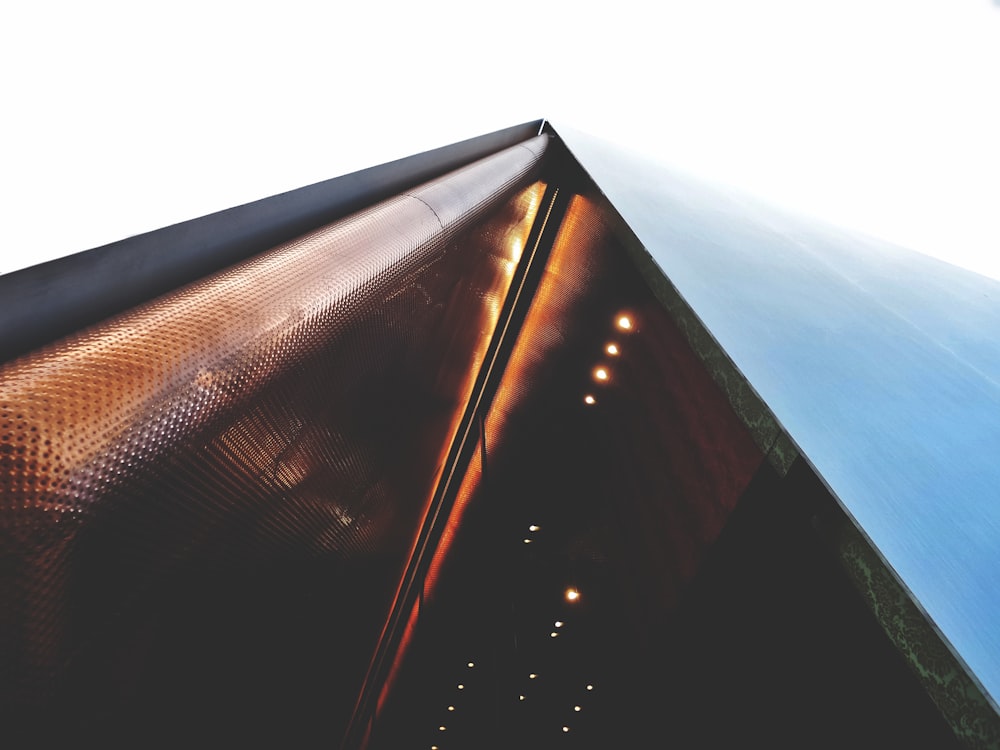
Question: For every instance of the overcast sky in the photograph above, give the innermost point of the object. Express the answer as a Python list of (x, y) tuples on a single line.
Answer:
[(118, 118)]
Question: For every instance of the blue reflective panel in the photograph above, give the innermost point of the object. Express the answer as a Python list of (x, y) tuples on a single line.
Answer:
[(882, 364)]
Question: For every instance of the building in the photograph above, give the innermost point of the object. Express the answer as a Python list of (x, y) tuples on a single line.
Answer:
[(510, 443)]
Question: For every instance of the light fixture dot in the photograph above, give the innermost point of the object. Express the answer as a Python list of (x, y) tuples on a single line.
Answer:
[(533, 527), (532, 676), (589, 400), (601, 374), (462, 687), (565, 729), (520, 697), (553, 634), (624, 322), (451, 708), (442, 728), (576, 708), (572, 595), (612, 349), (559, 623), (527, 541), (590, 687), (471, 664)]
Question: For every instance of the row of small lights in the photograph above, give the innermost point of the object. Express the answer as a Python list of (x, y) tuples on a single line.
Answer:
[(572, 595), (460, 686), (602, 373)]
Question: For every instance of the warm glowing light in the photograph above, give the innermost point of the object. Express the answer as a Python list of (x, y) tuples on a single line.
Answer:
[(559, 623), (520, 697), (565, 729), (442, 728), (572, 595), (528, 202), (462, 687), (534, 528), (553, 634), (451, 708), (590, 687), (576, 708), (516, 248), (471, 664), (589, 400), (532, 676), (601, 374), (527, 541), (625, 322), (612, 349)]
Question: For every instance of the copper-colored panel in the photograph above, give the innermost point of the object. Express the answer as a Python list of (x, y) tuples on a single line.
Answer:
[(286, 415)]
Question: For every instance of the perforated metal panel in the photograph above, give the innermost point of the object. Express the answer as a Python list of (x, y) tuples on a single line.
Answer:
[(280, 422)]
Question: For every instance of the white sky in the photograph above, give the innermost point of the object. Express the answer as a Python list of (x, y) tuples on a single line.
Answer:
[(119, 118)]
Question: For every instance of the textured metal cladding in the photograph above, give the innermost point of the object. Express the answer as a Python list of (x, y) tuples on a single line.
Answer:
[(290, 407), (459, 200)]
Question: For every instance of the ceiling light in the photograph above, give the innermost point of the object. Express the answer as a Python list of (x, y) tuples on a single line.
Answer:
[(624, 322), (527, 541), (471, 664), (451, 708), (520, 697), (532, 676), (462, 687), (565, 729), (576, 708), (590, 687), (589, 400), (534, 528), (559, 623), (442, 728), (572, 595), (601, 374), (612, 349), (553, 634)]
